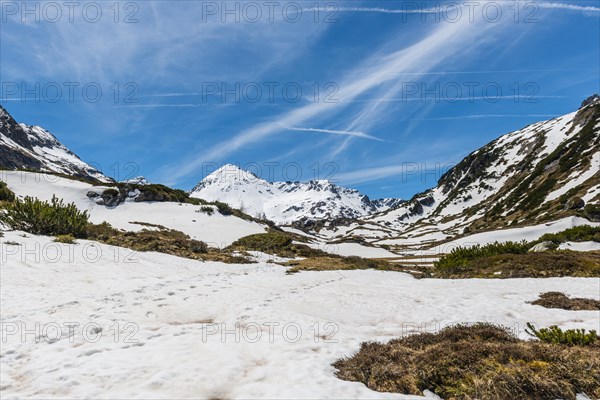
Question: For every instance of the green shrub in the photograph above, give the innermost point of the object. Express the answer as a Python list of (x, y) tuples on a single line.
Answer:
[(110, 192), (223, 208), (45, 218), (67, 239), (592, 212), (265, 242), (460, 257), (207, 209), (555, 335), (5, 193), (583, 233)]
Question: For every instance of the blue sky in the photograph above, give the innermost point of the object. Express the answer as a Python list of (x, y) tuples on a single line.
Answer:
[(378, 96)]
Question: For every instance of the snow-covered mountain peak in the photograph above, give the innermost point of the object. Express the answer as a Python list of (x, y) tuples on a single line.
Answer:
[(285, 202), (231, 173)]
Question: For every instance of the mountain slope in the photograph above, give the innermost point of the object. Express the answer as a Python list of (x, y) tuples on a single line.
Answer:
[(34, 148), (286, 202), (543, 172)]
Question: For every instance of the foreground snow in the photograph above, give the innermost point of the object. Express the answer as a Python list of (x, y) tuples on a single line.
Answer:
[(171, 314)]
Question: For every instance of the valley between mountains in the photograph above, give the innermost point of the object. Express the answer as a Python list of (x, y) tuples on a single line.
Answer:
[(245, 288)]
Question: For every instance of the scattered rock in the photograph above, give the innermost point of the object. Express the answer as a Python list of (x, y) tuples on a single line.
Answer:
[(574, 203), (543, 246)]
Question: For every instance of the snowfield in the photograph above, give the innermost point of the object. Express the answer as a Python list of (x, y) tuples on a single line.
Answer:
[(148, 325), (216, 230)]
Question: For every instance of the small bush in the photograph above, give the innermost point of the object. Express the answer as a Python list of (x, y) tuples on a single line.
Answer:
[(5, 193), (208, 210), (555, 335), (67, 239), (45, 218), (110, 192), (101, 232), (592, 211), (460, 257), (223, 208)]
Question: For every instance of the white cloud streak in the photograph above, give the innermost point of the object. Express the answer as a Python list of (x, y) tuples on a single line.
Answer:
[(434, 10), (571, 7), (357, 134), (445, 42)]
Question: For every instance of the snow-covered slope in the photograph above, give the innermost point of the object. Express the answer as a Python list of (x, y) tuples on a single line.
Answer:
[(216, 230), (34, 148), (286, 202), (543, 172), (153, 326)]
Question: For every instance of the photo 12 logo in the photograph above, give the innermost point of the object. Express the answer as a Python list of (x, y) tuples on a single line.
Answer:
[(269, 92), (52, 332), (268, 11), (70, 92), (53, 12)]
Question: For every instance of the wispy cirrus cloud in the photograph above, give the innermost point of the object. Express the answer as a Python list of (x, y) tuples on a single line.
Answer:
[(355, 134), (377, 72)]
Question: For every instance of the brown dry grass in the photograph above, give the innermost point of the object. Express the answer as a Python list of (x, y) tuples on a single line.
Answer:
[(163, 240), (562, 301), (338, 263), (475, 362)]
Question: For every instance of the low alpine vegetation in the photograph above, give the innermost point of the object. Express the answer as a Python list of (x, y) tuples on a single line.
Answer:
[(481, 361), (66, 239), (515, 259), (528, 265), (45, 218), (562, 301), (5, 193), (207, 210), (282, 244), (162, 240), (288, 245), (461, 257), (570, 337), (584, 233)]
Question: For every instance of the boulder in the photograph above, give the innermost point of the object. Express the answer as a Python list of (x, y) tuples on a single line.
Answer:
[(543, 246), (574, 203)]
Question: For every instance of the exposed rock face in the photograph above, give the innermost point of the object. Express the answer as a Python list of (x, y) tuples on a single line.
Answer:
[(590, 100), (34, 148)]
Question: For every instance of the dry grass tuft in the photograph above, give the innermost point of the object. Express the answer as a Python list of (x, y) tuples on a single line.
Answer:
[(482, 361), (561, 300), (339, 263)]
